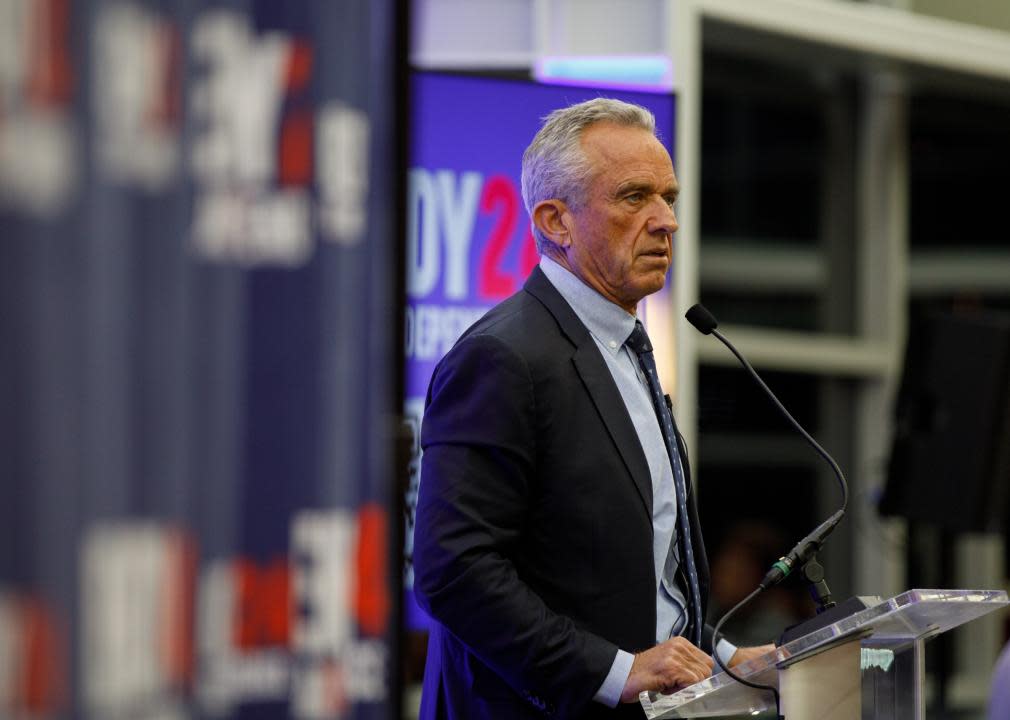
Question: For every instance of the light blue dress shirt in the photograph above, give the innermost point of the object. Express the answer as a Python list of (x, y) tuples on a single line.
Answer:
[(610, 325)]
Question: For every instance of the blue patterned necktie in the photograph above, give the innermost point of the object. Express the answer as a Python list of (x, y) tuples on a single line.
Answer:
[(638, 341)]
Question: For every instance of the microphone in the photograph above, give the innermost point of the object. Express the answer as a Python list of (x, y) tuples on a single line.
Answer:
[(806, 548), (702, 319)]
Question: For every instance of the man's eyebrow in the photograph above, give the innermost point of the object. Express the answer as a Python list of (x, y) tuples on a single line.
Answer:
[(647, 187), (635, 186)]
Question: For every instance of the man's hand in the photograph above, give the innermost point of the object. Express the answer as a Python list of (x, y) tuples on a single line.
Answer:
[(749, 653), (666, 668)]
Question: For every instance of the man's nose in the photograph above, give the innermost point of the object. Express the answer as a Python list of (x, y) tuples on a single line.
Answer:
[(664, 220)]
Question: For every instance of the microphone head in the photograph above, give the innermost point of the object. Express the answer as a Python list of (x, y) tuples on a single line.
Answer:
[(702, 319)]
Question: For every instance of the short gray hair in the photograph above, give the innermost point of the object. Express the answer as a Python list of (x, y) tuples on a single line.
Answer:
[(554, 165)]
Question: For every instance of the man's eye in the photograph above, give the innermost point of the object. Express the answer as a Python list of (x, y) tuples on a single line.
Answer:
[(634, 197)]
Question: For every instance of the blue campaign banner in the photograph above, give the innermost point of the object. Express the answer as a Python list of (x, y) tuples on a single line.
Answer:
[(469, 243), (198, 259)]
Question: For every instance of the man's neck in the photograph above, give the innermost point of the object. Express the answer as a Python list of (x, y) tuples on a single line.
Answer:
[(552, 252)]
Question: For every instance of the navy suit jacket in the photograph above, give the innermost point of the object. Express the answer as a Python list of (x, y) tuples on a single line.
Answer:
[(533, 542)]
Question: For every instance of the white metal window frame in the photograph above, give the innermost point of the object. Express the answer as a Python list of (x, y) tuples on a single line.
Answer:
[(888, 274)]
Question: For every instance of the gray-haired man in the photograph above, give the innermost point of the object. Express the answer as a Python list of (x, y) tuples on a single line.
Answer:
[(548, 539)]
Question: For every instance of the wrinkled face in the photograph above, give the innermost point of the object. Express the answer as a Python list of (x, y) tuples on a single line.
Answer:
[(621, 234)]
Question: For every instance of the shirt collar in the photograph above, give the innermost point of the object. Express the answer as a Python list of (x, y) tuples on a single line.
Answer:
[(606, 321)]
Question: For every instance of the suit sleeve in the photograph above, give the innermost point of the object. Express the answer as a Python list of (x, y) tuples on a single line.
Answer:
[(479, 439)]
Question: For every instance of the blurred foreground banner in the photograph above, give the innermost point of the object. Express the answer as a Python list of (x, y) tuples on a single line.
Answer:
[(197, 288)]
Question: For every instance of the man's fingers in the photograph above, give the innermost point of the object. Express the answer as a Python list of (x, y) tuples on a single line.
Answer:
[(745, 654), (667, 667), (687, 654), (683, 664)]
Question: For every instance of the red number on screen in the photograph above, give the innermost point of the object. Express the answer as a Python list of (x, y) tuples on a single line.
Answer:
[(498, 192)]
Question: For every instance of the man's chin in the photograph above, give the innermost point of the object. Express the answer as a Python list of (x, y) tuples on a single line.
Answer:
[(653, 283), (648, 286), (652, 269)]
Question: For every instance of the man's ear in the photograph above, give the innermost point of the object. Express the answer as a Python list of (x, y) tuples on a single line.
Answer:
[(552, 219)]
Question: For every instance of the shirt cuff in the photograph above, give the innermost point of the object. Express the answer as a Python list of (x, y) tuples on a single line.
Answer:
[(610, 691), (725, 650)]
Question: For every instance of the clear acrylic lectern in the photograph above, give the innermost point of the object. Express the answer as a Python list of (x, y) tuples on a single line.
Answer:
[(867, 665)]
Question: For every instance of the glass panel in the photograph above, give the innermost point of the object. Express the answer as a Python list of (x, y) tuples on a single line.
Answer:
[(748, 458), (893, 624), (778, 189), (891, 680), (729, 401), (959, 151)]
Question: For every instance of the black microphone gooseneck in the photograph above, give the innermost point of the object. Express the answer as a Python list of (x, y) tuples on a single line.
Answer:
[(805, 552), (706, 324)]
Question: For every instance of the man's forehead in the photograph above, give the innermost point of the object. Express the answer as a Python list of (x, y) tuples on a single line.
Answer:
[(625, 157), (625, 146)]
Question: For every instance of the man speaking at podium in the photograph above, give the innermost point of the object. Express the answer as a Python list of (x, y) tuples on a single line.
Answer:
[(557, 544)]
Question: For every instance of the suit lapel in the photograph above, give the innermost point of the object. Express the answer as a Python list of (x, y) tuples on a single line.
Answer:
[(599, 383)]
